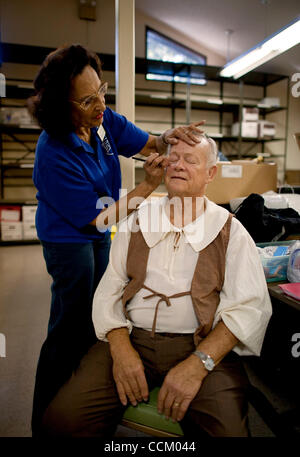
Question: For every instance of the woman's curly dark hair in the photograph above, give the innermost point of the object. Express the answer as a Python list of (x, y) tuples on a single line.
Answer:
[(50, 104)]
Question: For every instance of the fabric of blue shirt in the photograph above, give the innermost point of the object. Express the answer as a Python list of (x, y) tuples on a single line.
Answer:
[(71, 175)]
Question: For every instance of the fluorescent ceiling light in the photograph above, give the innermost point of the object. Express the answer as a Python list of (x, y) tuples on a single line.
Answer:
[(271, 47)]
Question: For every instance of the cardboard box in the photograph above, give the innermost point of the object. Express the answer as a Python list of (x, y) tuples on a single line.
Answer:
[(10, 213), (248, 129), (29, 231), (292, 177), (266, 129), (28, 213), (250, 114), (11, 231), (241, 178), (269, 102)]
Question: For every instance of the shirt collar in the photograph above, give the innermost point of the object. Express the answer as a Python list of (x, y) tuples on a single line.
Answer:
[(75, 142), (155, 224)]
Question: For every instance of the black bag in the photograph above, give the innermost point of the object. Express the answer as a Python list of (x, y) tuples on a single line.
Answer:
[(266, 224)]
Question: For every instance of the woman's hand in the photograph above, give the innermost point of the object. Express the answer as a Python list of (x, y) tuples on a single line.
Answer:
[(188, 133), (154, 169), (154, 172)]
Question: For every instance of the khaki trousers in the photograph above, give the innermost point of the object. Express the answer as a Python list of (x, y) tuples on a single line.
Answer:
[(87, 405)]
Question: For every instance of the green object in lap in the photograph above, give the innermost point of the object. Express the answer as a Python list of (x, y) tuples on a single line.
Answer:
[(146, 414)]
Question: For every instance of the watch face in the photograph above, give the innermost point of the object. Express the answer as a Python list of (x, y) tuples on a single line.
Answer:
[(209, 364)]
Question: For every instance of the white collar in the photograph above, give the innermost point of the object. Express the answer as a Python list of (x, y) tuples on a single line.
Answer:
[(155, 225)]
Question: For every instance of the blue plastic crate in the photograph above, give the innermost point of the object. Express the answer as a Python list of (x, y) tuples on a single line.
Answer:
[(275, 268)]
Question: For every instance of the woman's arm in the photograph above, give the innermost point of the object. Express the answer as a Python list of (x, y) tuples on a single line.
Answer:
[(154, 169)]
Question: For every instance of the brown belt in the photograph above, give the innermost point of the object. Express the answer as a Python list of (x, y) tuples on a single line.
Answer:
[(164, 334)]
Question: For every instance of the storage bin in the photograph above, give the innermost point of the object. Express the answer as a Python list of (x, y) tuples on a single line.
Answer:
[(29, 231), (11, 231), (10, 213), (28, 213), (275, 268)]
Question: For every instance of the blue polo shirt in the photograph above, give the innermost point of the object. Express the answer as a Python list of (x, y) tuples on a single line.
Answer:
[(71, 175)]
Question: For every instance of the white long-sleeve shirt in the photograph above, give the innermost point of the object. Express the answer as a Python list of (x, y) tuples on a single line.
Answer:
[(244, 307)]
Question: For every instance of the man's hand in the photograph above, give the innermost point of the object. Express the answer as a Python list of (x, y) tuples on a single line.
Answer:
[(154, 169), (128, 369), (184, 380), (180, 387)]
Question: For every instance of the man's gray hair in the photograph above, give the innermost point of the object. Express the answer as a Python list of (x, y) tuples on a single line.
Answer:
[(212, 154)]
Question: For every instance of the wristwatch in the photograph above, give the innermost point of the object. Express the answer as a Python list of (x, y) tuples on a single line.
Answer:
[(207, 360)]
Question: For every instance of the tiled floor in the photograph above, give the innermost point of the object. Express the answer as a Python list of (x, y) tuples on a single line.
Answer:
[(24, 311)]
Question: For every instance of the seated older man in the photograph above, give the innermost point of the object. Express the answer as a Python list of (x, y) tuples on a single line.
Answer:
[(183, 297)]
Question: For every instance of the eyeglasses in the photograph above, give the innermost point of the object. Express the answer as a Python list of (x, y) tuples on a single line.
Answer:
[(89, 101)]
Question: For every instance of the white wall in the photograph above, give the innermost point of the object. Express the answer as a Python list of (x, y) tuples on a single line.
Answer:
[(54, 22)]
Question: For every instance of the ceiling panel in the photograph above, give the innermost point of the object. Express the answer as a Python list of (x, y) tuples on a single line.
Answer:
[(206, 21)]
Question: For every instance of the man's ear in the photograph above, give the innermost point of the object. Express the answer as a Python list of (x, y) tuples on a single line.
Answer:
[(212, 171)]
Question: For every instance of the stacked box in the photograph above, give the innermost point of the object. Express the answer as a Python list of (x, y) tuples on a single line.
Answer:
[(11, 231), (266, 129), (29, 231), (28, 221), (250, 114), (28, 213), (9, 213), (252, 127), (11, 227), (249, 124), (248, 129)]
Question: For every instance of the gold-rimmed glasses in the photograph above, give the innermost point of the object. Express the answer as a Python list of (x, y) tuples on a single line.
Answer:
[(89, 101)]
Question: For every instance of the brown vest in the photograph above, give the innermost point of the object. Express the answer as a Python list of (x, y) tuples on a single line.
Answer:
[(206, 284)]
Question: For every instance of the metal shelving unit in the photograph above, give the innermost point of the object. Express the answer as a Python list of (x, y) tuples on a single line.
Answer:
[(176, 96), (17, 142), (17, 149), (189, 100)]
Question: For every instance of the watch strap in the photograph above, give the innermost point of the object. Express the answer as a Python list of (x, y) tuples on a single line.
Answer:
[(206, 359)]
